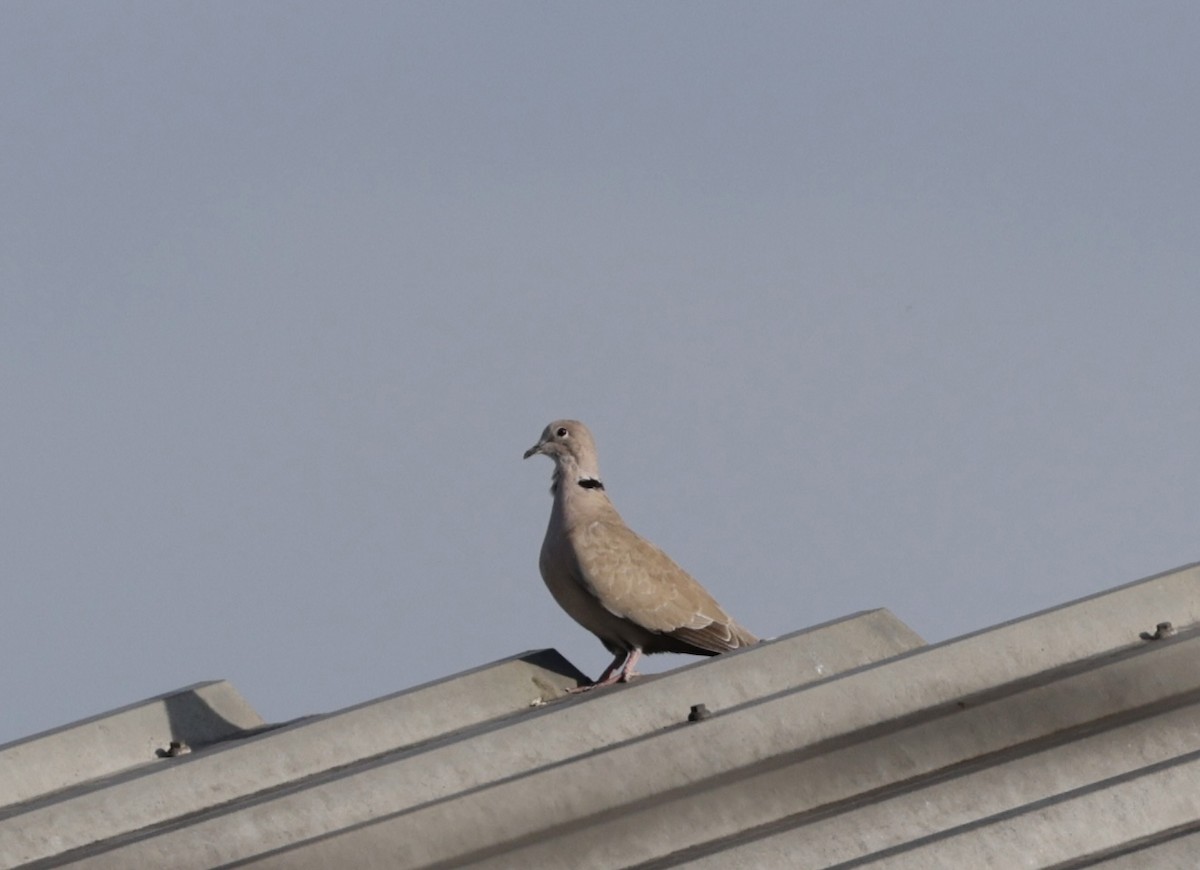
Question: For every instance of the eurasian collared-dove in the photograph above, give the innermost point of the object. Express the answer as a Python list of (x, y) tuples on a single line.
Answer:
[(617, 585)]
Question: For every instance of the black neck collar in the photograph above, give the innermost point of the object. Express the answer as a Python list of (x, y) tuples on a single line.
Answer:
[(590, 483)]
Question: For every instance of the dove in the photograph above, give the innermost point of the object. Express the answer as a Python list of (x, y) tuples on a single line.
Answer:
[(610, 580)]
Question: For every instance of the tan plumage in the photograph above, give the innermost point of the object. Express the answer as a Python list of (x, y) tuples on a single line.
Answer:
[(614, 583)]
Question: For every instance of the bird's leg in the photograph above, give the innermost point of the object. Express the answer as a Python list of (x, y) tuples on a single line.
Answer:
[(627, 672), (614, 672)]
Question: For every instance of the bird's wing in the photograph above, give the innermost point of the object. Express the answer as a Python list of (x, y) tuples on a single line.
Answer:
[(634, 580)]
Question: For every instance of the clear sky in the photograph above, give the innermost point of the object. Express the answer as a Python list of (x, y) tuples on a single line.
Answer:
[(867, 304)]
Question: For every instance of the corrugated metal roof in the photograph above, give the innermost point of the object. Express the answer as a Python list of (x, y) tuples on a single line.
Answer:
[(1065, 739)]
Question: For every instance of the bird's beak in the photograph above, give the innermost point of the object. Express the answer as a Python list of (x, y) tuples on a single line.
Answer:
[(536, 448)]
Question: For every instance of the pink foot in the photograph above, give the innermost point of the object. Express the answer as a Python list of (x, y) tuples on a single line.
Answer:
[(627, 672), (620, 671)]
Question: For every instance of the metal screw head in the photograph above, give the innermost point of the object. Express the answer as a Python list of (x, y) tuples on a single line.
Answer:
[(174, 749), (1163, 629)]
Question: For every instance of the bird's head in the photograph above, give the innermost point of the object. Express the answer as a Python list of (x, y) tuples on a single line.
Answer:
[(570, 445)]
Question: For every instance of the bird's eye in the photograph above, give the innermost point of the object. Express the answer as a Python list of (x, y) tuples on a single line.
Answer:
[(562, 432)]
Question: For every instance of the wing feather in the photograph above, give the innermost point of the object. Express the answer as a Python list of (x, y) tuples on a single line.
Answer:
[(636, 581)]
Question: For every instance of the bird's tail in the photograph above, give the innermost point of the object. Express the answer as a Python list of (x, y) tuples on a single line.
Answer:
[(741, 637)]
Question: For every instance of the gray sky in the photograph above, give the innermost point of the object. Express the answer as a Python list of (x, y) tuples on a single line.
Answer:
[(868, 305)]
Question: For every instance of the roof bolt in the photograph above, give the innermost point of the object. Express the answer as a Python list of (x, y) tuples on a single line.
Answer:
[(699, 713), (174, 749), (1163, 629)]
